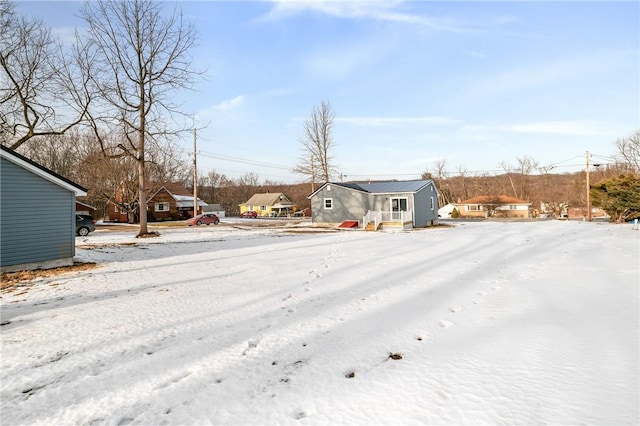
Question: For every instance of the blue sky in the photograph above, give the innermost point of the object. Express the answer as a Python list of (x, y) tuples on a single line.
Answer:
[(475, 84)]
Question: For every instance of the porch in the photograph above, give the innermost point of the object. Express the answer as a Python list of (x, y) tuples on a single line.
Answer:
[(385, 221)]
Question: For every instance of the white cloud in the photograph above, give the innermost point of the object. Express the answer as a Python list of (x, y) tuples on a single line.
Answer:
[(230, 104), (568, 128), (339, 63), (227, 108), (476, 54), (371, 121), (384, 11)]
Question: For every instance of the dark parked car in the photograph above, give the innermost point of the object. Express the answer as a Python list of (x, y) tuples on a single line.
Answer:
[(249, 214), (204, 219), (84, 224)]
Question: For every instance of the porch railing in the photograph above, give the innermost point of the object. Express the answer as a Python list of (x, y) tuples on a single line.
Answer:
[(378, 216), (372, 216)]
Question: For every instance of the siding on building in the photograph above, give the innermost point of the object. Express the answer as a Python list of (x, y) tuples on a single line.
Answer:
[(37, 220), (352, 201)]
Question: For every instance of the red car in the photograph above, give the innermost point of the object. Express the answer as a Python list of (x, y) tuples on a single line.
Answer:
[(249, 214), (204, 219)]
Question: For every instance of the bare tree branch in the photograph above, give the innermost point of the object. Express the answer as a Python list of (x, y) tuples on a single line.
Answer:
[(35, 78), (629, 149)]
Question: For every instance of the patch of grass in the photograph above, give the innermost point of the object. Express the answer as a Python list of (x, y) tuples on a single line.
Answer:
[(12, 281)]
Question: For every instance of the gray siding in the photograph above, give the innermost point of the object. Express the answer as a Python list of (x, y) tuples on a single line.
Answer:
[(347, 205), (424, 215), (37, 218)]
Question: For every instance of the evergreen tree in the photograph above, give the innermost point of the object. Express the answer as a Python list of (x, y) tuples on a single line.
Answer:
[(619, 196)]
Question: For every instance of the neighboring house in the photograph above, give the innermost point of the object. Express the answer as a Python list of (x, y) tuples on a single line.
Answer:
[(446, 211), (269, 204), (216, 209), (172, 201), (494, 206), (82, 208), (376, 205), (580, 213), (165, 201), (37, 215)]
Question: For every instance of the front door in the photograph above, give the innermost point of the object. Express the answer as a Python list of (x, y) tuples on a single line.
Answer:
[(398, 205)]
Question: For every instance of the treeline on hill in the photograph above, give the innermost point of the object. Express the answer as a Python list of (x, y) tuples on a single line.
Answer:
[(77, 157)]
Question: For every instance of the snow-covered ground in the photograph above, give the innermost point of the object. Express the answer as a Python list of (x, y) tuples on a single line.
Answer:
[(478, 323)]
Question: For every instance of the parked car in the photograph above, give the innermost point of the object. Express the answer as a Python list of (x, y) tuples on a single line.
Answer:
[(84, 224), (250, 214), (204, 219)]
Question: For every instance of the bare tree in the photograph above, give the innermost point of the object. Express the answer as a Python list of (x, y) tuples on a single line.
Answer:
[(629, 148), (317, 141), (444, 192), (135, 57), (38, 81), (462, 171), (519, 176)]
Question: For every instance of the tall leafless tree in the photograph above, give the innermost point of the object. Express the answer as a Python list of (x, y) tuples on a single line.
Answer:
[(38, 81), (317, 142), (519, 176), (136, 56), (629, 149)]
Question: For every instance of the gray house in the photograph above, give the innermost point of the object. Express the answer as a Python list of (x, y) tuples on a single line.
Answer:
[(376, 205), (37, 215)]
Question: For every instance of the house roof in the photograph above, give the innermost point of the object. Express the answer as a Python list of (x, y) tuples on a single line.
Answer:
[(493, 199), (40, 170), (214, 208), (86, 205), (176, 189), (179, 193), (268, 199), (381, 187)]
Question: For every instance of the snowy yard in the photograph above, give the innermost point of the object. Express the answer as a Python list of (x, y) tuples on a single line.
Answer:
[(479, 323)]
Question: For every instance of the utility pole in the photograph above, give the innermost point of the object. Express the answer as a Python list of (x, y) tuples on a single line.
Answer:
[(195, 175), (588, 190), (313, 175)]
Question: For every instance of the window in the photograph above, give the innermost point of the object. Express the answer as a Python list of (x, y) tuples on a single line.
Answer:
[(162, 207), (473, 207), (263, 208), (328, 203), (513, 207), (398, 205), (432, 205)]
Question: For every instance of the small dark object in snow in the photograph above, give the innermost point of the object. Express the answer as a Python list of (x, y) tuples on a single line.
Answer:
[(152, 234), (350, 375), (274, 363), (419, 338), (395, 356)]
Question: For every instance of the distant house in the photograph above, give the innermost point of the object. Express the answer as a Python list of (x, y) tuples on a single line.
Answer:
[(216, 209), (376, 205), (494, 206), (269, 204), (172, 201), (446, 211), (165, 201), (82, 208), (45, 238)]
